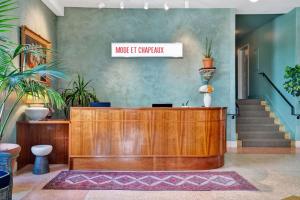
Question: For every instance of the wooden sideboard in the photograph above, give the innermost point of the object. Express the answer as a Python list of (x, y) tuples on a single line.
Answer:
[(147, 138), (53, 132)]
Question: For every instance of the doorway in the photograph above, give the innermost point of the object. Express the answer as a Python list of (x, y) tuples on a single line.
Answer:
[(243, 72)]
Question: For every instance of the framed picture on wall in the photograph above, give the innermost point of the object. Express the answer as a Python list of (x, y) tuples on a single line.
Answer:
[(31, 60)]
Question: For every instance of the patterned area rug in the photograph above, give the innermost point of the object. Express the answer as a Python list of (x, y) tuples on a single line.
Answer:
[(149, 181)]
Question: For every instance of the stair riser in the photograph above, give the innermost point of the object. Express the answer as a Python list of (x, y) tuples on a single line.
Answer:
[(256, 121), (258, 128), (249, 102), (266, 144), (254, 103), (252, 108), (254, 114), (260, 136)]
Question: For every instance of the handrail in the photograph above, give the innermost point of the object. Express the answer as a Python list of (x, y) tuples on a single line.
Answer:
[(237, 111), (237, 108), (284, 98)]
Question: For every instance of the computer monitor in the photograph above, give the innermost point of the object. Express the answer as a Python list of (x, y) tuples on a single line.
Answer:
[(100, 104), (162, 105)]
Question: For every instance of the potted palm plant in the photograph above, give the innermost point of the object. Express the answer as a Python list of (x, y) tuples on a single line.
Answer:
[(81, 94), (16, 83), (208, 61)]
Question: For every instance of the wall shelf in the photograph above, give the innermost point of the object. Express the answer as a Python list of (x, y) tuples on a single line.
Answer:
[(207, 74)]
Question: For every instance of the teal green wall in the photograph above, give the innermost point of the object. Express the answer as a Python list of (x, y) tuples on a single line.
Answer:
[(273, 47), (297, 104), (84, 39), (297, 11), (35, 15), (39, 18)]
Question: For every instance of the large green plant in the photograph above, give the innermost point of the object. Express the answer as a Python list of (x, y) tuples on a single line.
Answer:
[(81, 94), (292, 84), (16, 83)]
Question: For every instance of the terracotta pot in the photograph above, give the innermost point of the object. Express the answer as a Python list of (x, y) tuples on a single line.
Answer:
[(13, 149), (208, 63)]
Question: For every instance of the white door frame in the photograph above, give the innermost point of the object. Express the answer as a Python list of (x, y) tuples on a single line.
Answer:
[(240, 64)]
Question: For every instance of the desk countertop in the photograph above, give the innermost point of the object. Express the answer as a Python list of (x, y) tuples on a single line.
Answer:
[(50, 121), (150, 108)]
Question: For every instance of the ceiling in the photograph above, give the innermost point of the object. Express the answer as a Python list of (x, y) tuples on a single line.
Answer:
[(248, 23), (242, 6)]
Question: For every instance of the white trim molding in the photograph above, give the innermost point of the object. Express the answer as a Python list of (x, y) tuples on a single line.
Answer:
[(296, 144), (240, 7), (232, 144), (55, 6)]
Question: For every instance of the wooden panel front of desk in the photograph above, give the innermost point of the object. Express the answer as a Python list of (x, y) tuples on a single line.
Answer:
[(147, 138)]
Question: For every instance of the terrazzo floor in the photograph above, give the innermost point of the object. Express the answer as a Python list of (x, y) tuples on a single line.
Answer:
[(277, 176)]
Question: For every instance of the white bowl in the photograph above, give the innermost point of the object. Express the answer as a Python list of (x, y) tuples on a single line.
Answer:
[(41, 150), (36, 113)]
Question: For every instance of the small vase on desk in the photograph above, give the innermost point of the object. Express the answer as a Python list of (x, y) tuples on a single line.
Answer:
[(207, 99)]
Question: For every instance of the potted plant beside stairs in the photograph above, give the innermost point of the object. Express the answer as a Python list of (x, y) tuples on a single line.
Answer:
[(16, 83), (292, 84)]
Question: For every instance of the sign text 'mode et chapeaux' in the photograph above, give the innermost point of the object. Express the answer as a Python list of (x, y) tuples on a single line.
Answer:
[(127, 50)]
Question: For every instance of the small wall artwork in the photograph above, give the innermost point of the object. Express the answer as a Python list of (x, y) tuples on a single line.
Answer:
[(29, 60)]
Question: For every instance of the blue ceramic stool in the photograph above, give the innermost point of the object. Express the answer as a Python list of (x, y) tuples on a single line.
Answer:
[(41, 164), (5, 181)]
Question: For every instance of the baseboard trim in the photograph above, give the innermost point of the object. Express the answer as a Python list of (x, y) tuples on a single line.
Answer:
[(232, 144), (296, 144)]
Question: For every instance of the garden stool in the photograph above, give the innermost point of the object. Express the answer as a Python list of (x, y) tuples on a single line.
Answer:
[(41, 164)]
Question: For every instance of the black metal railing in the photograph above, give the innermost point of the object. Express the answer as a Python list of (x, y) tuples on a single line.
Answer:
[(237, 108), (280, 93), (237, 111)]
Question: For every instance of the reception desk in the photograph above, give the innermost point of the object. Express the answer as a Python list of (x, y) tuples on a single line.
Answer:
[(147, 138)]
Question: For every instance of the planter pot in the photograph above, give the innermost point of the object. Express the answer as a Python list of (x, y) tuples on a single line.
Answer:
[(14, 150), (36, 113), (207, 99), (208, 63)]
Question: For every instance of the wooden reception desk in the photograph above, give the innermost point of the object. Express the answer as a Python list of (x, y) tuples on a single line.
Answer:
[(147, 138)]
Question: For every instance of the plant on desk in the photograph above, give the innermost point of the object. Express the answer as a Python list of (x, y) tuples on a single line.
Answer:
[(17, 82), (80, 95)]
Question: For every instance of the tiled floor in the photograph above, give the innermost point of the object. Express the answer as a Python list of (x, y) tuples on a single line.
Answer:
[(275, 175), (263, 150)]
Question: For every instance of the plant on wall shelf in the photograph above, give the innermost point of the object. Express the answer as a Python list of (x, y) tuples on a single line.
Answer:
[(80, 95), (292, 84), (208, 61)]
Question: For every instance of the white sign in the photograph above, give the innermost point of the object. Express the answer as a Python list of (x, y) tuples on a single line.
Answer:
[(127, 50)]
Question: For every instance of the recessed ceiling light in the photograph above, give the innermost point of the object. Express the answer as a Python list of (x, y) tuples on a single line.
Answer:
[(253, 1), (186, 4), (101, 5), (166, 6), (146, 6), (122, 5)]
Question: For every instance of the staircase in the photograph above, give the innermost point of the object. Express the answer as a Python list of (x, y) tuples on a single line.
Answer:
[(256, 128)]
